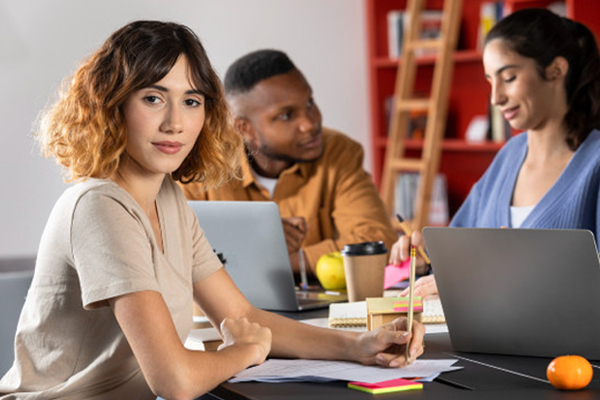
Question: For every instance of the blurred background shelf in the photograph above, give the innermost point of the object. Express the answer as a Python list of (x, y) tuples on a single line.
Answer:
[(463, 162)]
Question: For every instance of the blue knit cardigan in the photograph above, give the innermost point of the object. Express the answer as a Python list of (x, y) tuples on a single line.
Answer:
[(571, 203)]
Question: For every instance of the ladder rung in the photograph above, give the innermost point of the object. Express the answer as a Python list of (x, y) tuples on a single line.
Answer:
[(413, 104), (407, 164), (425, 44), (441, 50)]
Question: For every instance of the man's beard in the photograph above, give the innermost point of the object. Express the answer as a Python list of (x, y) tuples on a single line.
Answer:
[(266, 151)]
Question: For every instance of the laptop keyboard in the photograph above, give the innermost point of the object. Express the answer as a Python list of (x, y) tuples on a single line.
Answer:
[(316, 296)]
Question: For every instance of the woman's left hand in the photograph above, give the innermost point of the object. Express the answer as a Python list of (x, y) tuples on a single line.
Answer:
[(424, 286), (386, 345)]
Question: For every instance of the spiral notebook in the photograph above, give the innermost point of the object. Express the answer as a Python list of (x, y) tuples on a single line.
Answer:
[(355, 314)]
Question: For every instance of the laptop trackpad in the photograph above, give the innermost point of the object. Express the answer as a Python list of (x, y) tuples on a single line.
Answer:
[(307, 299)]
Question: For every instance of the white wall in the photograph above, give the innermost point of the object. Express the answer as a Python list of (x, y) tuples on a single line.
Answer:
[(42, 41)]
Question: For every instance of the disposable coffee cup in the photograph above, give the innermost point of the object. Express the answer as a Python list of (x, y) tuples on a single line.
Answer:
[(364, 266)]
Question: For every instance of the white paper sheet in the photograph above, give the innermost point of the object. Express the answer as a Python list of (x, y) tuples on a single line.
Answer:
[(278, 370), (197, 337)]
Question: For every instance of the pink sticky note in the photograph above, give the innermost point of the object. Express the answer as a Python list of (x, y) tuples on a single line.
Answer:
[(396, 273), (405, 309)]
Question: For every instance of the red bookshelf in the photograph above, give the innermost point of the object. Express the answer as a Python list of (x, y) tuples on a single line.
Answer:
[(462, 162)]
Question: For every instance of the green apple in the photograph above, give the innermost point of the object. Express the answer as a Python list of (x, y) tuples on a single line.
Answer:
[(330, 271)]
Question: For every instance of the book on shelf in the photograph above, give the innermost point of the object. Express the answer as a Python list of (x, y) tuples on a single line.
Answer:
[(559, 8), (500, 130), (395, 32), (431, 27), (398, 22), (416, 123), (405, 194), (493, 11), (490, 12)]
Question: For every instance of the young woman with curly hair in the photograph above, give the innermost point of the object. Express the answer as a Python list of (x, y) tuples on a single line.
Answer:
[(122, 258)]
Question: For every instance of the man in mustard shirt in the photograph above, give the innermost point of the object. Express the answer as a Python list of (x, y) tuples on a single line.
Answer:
[(315, 174)]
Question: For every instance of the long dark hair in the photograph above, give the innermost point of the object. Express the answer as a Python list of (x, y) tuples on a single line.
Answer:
[(540, 34)]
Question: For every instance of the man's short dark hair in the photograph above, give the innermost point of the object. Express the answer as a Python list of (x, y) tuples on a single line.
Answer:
[(254, 67)]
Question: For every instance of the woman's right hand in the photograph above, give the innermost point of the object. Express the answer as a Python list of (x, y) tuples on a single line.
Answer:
[(243, 333), (400, 252), (401, 249)]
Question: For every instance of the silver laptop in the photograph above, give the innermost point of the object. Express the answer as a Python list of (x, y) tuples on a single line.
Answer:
[(533, 292), (249, 238)]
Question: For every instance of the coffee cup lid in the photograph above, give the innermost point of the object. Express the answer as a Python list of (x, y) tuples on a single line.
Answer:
[(364, 249)]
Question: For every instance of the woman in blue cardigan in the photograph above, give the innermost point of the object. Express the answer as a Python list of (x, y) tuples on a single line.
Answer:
[(544, 72)]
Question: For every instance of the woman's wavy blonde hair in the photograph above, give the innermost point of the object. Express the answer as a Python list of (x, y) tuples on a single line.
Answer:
[(85, 130)]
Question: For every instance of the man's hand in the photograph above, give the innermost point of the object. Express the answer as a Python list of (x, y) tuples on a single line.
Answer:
[(294, 229)]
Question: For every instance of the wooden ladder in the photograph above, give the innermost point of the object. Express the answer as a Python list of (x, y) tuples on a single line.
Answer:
[(436, 107)]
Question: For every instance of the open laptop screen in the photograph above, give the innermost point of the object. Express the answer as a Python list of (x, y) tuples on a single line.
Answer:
[(248, 236), (518, 291)]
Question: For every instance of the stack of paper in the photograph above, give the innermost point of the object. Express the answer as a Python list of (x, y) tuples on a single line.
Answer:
[(278, 370), (199, 338)]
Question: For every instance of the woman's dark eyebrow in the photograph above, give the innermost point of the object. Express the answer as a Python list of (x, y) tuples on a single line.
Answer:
[(165, 90)]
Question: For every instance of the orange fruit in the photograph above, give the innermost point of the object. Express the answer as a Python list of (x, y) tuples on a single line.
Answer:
[(569, 372)]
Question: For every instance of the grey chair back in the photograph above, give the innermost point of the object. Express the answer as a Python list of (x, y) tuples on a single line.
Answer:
[(15, 278)]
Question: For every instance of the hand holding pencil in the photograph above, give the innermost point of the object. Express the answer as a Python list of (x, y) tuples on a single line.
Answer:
[(400, 252), (409, 233), (401, 249)]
